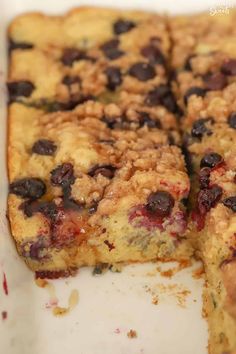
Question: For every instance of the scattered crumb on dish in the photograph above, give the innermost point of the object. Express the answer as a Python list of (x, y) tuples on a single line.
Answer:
[(198, 273), (4, 315), (53, 300), (172, 271), (160, 292), (132, 334), (4, 284)]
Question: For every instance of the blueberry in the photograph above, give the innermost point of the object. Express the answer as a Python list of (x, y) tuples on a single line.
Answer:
[(160, 203), (230, 203), (198, 91), (44, 147), (32, 188), (153, 54), (207, 198), (111, 50), (211, 160), (199, 127), (114, 77), (19, 88), (142, 71), (123, 26), (63, 175)]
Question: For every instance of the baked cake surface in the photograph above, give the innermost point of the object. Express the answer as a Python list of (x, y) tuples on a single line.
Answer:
[(205, 86), (100, 176)]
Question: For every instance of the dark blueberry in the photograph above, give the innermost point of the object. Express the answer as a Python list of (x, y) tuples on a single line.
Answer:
[(19, 88), (107, 171), (169, 102), (63, 175), (123, 26), (49, 209), (44, 147), (19, 45), (216, 81), (187, 65), (114, 77), (229, 67), (230, 203), (32, 188), (232, 120), (198, 91), (199, 127), (70, 80), (153, 54), (145, 119), (161, 95), (207, 198), (160, 203), (154, 97), (211, 160), (204, 177), (142, 71), (70, 55), (111, 50)]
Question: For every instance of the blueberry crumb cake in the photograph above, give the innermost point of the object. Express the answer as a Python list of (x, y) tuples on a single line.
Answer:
[(110, 124)]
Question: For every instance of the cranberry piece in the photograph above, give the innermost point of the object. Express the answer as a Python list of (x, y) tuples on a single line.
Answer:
[(123, 26), (63, 175), (230, 203), (70, 80), (32, 188), (207, 198), (161, 95), (107, 171), (19, 88), (232, 120), (153, 54), (142, 71), (160, 203), (114, 77), (211, 160), (204, 177), (216, 81), (200, 128), (111, 50), (44, 147), (145, 119), (19, 45), (229, 67), (70, 55), (198, 91)]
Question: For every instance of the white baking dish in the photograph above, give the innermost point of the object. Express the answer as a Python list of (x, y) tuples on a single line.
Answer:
[(109, 305)]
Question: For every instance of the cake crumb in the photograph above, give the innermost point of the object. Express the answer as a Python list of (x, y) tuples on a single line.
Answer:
[(4, 315), (132, 334), (198, 273), (160, 292)]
